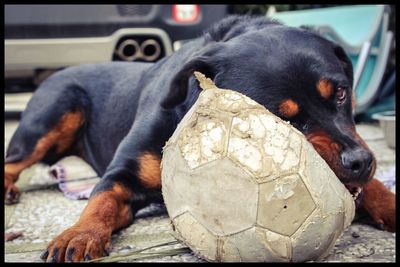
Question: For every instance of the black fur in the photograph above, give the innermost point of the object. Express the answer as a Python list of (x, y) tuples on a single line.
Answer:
[(135, 107)]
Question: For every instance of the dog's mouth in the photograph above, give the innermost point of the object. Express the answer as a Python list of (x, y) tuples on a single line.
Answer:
[(356, 192)]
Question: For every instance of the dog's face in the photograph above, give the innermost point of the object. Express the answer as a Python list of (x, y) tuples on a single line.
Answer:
[(300, 77)]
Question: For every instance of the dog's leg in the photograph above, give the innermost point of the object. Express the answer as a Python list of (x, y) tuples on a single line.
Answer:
[(46, 130), (380, 204), (116, 198), (90, 237), (131, 181)]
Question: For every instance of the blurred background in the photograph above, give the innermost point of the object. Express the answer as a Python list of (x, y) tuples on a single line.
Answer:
[(42, 39)]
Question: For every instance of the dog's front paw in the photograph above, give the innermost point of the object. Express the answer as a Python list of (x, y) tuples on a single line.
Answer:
[(11, 192), (79, 243), (380, 203)]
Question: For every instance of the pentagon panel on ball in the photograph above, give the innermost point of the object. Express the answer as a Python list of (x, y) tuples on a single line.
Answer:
[(240, 184)]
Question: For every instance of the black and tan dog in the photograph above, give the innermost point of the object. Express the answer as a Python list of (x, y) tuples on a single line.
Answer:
[(118, 116)]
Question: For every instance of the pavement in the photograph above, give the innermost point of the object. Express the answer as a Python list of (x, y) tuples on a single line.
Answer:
[(44, 213)]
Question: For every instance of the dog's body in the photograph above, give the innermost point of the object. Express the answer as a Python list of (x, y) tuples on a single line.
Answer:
[(118, 116)]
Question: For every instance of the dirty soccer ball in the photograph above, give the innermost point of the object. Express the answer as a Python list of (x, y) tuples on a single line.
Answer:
[(240, 184)]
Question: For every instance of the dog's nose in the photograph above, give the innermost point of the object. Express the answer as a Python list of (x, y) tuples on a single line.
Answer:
[(358, 162)]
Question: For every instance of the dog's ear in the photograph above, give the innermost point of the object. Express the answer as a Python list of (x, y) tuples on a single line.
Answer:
[(338, 50), (180, 83), (205, 62), (346, 62)]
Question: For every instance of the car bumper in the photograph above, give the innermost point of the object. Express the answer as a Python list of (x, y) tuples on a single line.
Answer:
[(26, 54)]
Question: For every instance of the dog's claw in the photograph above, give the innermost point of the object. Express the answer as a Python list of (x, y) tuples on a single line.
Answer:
[(70, 253), (55, 255), (12, 195), (381, 226), (44, 255)]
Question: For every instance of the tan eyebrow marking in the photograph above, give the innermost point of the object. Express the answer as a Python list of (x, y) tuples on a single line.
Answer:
[(325, 88), (288, 108)]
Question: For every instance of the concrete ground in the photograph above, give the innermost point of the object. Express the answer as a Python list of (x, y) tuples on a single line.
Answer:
[(42, 214)]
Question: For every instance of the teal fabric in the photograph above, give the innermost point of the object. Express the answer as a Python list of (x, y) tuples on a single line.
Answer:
[(366, 75), (386, 104), (353, 23)]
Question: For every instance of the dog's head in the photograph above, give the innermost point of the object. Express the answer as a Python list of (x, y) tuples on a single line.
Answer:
[(296, 74)]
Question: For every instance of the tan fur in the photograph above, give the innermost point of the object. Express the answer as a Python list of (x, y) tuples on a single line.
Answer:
[(149, 170), (288, 108), (325, 88), (62, 135)]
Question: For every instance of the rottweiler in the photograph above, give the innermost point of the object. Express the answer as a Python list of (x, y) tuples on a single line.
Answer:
[(118, 116)]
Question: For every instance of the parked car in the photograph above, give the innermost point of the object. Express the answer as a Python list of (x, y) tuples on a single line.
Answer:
[(39, 38)]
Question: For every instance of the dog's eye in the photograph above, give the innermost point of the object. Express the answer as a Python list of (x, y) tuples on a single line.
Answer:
[(340, 95)]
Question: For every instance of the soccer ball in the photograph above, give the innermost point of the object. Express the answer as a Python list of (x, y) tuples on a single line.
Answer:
[(240, 184)]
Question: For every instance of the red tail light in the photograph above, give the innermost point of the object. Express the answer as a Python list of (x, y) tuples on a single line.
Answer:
[(185, 13)]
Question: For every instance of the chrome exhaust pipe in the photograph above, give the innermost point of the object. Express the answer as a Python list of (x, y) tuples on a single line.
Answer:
[(150, 50), (129, 50)]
